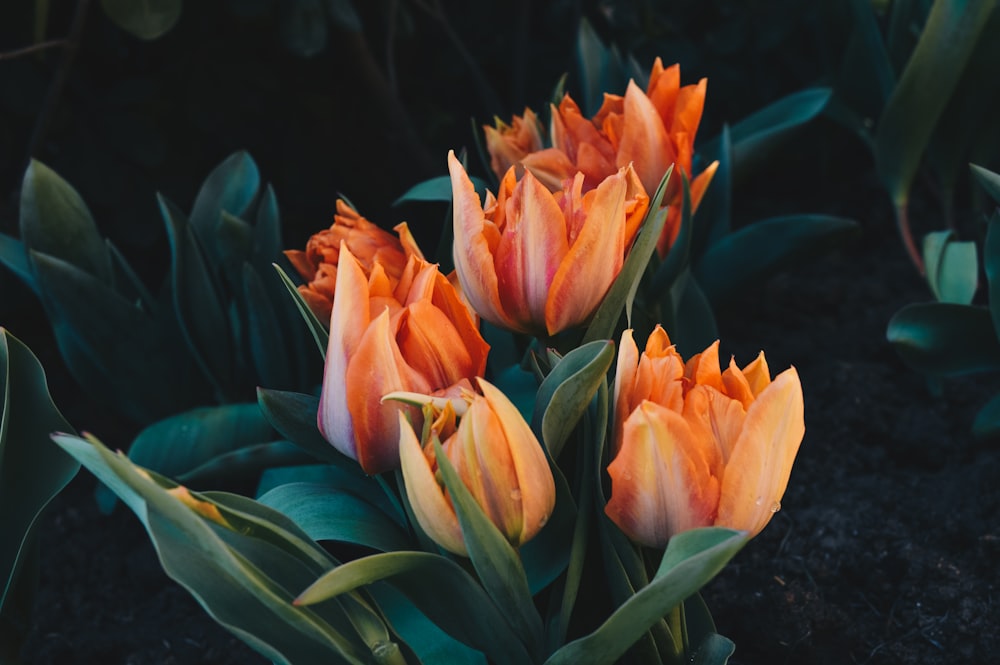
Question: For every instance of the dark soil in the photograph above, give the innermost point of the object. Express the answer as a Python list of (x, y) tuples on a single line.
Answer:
[(884, 550)]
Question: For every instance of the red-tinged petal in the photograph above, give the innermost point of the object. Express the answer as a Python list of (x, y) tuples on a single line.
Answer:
[(636, 205), (472, 254), (433, 347), (594, 165), (644, 140), (757, 473), (300, 261), (434, 513), (449, 301), (320, 305), (597, 253), (348, 321), (664, 85), (531, 248), (687, 112), (700, 184), (535, 497), (376, 368), (714, 416), (660, 482)]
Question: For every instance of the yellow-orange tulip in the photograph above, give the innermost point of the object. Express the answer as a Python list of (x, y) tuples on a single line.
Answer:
[(413, 334), (369, 243), (508, 144), (540, 262), (497, 458), (694, 446), (650, 130)]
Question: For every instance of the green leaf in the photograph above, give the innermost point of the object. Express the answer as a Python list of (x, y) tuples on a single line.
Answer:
[(220, 564), (679, 255), (112, 347), (924, 89), (716, 210), (519, 386), (198, 304), (694, 328), (436, 189), (32, 468), (232, 187), (760, 249), (329, 513), (245, 462), (713, 650), (14, 255), (148, 19), (989, 180), (318, 330), (469, 616), (180, 443), (125, 282), (755, 136), (945, 339), (267, 230), (987, 422), (343, 15), (691, 560), (267, 345), (952, 267), (991, 266), (567, 390), (294, 416), (303, 27), (877, 60), (56, 221), (622, 291), (496, 562)]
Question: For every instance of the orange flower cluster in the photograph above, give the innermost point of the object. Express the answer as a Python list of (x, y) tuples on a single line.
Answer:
[(370, 245), (650, 130), (694, 446)]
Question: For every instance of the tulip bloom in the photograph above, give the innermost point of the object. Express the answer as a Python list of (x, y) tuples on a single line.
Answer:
[(650, 130), (694, 446), (369, 243), (414, 334), (498, 459), (508, 144), (539, 262)]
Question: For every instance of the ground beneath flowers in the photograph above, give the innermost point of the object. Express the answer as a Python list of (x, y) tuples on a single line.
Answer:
[(884, 551)]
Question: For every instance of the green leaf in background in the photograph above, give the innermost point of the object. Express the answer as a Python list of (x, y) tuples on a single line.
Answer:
[(125, 282), (991, 266), (343, 15), (754, 137), (496, 562), (567, 390), (694, 328), (692, 559), (622, 291), (148, 19), (245, 462), (759, 249), (986, 424), (14, 255), (876, 62), (713, 650), (181, 443), (56, 221), (945, 339), (267, 344), (32, 468), (989, 180), (215, 561), (317, 329), (520, 387), (197, 301), (436, 189), (469, 616), (294, 415), (303, 27), (231, 187), (924, 88), (329, 513), (952, 269), (602, 69), (267, 230), (144, 373), (715, 213)]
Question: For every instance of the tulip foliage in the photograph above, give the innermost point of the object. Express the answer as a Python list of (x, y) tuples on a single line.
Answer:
[(490, 471)]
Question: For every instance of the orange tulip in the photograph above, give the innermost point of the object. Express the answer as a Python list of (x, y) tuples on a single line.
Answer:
[(540, 262), (693, 446), (369, 243), (508, 144), (650, 130), (413, 334), (498, 459)]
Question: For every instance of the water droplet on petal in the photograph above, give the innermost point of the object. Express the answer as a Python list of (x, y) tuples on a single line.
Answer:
[(515, 494), (759, 502), (775, 506)]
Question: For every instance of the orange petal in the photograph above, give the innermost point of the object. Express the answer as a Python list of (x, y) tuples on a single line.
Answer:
[(715, 417), (551, 166), (644, 140), (433, 346), (758, 374), (433, 512), (690, 104), (625, 375), (700, 184), (531, 248), (660, 480), (757, 473), (472, 254), (598, 253), (703, 368), (348, 320)]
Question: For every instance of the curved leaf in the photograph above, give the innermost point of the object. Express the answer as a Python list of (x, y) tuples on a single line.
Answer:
[(14, 255), (147, 20), (759, 249), (316, 328), (328, 513), (691, 560), (945, 339), (436, 189), (469, 615), (245, 462), (987, 422), (56, 221), (232, 187), (267, 345), (566, 392), (294, 415), (991, 266), (989, 180), (952, 269)]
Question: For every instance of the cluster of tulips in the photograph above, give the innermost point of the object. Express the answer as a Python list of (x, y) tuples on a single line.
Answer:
[(690, 444)]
